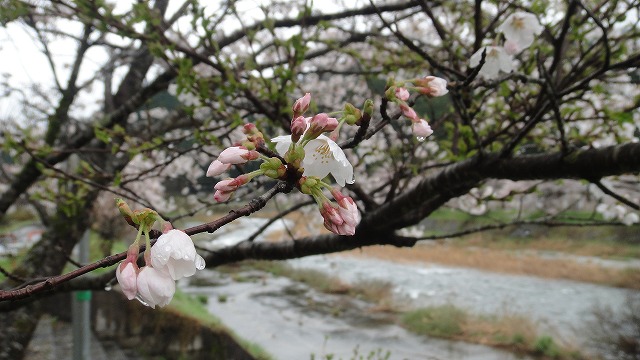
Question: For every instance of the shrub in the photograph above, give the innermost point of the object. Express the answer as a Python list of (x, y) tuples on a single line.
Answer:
[(440, 321)]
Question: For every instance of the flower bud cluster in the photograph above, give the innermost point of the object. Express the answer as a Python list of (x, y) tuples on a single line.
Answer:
[(430, 86), (235, 155), (307, 153), (171, 258), (311, 152), (340, 219), (231, 156)]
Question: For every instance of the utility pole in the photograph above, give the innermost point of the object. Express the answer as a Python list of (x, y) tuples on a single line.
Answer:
[(81, 309)]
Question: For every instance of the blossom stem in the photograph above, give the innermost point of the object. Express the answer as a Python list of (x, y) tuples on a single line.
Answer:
[(335, 133), (137, 241), (319, 196), (147, 250)]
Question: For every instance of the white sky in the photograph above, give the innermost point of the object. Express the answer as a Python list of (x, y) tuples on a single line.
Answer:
[(23, 63)]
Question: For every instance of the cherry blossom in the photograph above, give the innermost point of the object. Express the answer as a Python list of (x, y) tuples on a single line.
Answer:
[(496, 60), (421, 129), (347, 209), (322, 157), (231, 184), (237, 155), (519, 30), (432, 86), (175, 254), (216, 168), (222, 196), (298, 127), (402, 93), (155, 288), (335, 222), (319, 124), (127, 273), (301, 105), (409, 112)]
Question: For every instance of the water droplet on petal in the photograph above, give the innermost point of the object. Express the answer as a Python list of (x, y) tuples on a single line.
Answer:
[(108, 287), (421, 138), (141, 301), (353, 179), (167, 248), (200, 263), (186, 257)]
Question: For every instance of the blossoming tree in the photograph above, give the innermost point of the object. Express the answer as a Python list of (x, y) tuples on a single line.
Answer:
[(373, 116)]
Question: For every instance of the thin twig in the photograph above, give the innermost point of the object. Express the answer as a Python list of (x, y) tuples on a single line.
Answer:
[(52, 282), (618, 197)]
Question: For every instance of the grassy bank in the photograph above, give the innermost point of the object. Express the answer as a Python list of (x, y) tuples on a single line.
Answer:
[(194, 308), (512, 332)]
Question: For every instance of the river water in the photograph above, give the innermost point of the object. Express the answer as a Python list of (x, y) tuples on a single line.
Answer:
[(291, 321)]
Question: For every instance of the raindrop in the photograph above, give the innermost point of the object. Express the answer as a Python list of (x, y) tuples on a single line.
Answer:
[(186, 257), (200, 264), (108, 287), (141, 301), (167, 248), (421, 138)]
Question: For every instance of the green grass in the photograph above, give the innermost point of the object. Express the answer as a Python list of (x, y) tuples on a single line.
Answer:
[(439, 321), (193, 307), (512, 332)]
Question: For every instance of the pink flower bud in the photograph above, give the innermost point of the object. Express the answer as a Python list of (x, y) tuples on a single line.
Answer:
[(330, 213), (421, 129), (347, 209), (341, 221), (402, 93), (409, 112), (249, 129), (432, 86), (226, 185), (216, 168), (321, 123), (301, 105), (298, 127), (230, 185), (222, 196), (127, 274), (237, 155)]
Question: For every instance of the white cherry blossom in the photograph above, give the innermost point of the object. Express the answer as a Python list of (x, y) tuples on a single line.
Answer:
[(175, 254), (155, 287), (496, 60), (519, 30), (421, 129), (322, 157)]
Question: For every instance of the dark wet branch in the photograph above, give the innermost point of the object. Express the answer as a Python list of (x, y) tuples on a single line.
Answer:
[(292, 249)]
